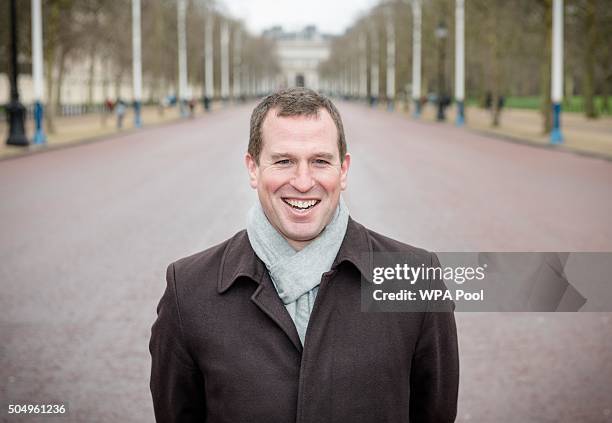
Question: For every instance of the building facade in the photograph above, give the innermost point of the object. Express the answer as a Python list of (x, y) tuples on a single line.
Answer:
[(300, 54)]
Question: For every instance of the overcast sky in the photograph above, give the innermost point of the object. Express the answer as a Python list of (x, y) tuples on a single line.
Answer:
[(330, 16)]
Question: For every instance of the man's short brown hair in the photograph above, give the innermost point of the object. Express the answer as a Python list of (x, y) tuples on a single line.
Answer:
[(292, 102)]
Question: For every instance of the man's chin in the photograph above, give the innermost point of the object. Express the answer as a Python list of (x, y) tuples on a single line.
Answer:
[(302, 235)]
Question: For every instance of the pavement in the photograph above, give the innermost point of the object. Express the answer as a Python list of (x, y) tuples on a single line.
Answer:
[(592, 137), (87, 233), (73, 130)]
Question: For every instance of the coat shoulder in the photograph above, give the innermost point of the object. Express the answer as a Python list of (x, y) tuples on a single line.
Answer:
[(205, 265), (384, 244)]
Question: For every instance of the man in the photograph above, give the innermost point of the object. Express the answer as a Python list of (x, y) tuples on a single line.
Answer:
[(267, 326)]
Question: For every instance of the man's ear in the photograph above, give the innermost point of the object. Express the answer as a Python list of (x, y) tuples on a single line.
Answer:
[(344, 170), (252, 167)]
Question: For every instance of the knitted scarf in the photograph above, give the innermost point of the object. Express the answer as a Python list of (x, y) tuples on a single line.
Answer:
[(296, 274)]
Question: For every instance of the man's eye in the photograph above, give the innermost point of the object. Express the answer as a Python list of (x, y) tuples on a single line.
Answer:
[(321, 162), (283, 162)]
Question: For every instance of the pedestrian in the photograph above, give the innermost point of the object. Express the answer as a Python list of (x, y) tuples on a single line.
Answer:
[(500, 102), (266, 326), (488, 102), (120, 109), (444, 101), (109, 105), (192, 104), (108, 110)]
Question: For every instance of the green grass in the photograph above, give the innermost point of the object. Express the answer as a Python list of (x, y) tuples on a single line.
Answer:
[(532, 103), (570, 104)]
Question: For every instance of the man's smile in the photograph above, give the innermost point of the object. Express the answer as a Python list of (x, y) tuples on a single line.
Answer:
[(301, 204)]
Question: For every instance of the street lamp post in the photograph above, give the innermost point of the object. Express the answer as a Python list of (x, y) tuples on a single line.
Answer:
[(15, 110), (416, 56), (208, 54), (37, 72), (225, 70), (390, 32), (460, 60), (237, 73), (136, 63), (556, 136), (182, 57), (363, 66), (441, 34), (374, 45)]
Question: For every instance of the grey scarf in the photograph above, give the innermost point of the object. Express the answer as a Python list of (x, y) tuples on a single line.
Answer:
[(296, 274)]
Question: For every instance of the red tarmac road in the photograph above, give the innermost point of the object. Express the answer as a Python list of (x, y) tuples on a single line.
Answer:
[(88, 231)]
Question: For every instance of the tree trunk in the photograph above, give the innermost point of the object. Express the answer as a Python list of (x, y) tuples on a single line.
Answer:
[(546, 68), (91, 77), (568, 88), (605, 104), (50, 55), (607, 82), (60, 80), (589, 60), (495, 65), (50, 112), (105, 111), (118, 77)]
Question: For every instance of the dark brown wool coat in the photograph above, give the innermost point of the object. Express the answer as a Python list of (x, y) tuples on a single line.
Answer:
[(225, 349)]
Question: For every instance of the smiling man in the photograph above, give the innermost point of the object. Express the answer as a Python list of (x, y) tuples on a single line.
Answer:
[(267, 326)]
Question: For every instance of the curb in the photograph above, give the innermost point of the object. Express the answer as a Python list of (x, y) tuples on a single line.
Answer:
[(46, 148), (558, 147), (524, 141)]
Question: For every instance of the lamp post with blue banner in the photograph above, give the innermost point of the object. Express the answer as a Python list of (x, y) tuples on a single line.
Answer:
[(15, 110), (225, 60), (460, 60), (390, 35), (209, 77), (182, 57), (37, 72), (237, 66), (441, 33), (136, 62), (374, 46), (363, 66), (416, 56), (556, 136)]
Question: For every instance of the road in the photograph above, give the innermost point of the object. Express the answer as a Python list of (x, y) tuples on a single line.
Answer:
[(87, 233)]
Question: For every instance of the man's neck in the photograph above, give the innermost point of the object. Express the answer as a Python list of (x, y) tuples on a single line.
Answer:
[(298, 245)]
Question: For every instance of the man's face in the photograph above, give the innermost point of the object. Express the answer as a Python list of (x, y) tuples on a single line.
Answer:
[(299, 176)]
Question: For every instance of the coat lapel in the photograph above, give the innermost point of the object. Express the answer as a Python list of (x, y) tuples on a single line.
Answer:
[(266, 298), (239, 260)]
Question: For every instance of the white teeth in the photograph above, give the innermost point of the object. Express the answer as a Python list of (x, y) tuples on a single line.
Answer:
[(301, 204)]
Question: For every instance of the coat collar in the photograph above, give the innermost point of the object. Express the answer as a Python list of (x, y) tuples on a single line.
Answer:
[(239, 259)]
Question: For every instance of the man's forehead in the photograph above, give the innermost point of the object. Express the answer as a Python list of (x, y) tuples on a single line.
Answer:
[(282, 154), (294, 148), (275, 115)]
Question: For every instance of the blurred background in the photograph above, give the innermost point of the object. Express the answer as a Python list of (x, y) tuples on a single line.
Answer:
[(473, 125), (363, 51)]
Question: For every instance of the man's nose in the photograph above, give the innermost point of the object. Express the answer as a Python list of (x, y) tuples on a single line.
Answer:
[(303, 179)]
